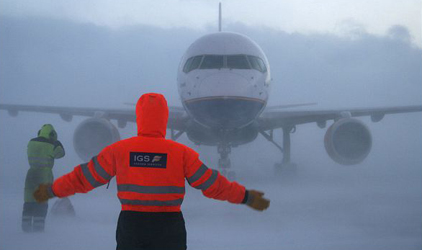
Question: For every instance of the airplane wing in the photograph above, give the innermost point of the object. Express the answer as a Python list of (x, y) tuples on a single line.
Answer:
[(290, 106), (273, 119), (177, 115)]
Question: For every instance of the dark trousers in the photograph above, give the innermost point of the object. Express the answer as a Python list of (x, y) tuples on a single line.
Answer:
[(151, 231), (33, 216)]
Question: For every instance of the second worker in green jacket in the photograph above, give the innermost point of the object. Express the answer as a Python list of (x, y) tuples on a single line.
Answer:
[(42, 151)]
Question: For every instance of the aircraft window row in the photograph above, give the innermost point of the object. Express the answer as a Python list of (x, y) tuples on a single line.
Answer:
[(225, 61)]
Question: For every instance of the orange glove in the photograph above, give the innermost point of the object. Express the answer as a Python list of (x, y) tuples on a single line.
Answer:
[(43, 193), (257, 201)]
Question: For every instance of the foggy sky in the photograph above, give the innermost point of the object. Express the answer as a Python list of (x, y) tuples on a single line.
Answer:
[(364, 70), (375, 205), (322, 16)]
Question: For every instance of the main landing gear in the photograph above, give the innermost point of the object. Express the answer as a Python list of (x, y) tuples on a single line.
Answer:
[(224, 163), (285, 150)]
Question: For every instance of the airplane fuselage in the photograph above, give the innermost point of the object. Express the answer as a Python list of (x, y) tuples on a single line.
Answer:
[(224, 80)]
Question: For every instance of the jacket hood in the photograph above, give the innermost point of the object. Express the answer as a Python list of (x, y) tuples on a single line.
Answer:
[(47, 131), (152, 115)]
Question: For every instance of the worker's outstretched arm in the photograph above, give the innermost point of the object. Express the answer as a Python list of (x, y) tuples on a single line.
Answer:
[(85, 177), (216, 186)]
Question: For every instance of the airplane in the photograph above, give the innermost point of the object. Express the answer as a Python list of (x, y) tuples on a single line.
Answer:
[(224, 84)]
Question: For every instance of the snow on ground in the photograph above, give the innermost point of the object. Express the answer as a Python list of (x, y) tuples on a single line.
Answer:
[(320, 205)]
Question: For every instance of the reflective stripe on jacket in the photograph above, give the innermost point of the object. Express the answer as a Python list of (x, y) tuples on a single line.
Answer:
[(150, 170)]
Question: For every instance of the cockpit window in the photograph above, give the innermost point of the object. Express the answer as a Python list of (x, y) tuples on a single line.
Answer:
[(254, 63), (257, 63), (224, 61), (187, 65), (262, 65), (237, 62), (212, 62), (195, 63), (192, 63)]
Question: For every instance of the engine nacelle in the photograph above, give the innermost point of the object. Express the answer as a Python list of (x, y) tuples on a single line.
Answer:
[(348, 141), (92, 135)]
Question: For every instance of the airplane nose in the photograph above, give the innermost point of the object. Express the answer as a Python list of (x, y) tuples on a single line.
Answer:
[(225, 84), (224, 100)]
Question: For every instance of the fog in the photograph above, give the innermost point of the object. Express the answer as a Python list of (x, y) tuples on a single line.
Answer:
[(317, 205)]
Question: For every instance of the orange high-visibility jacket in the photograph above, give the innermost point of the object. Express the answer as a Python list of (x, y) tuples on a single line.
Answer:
[(150, 170)]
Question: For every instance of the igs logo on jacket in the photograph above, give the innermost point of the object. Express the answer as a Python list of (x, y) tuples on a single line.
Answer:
[(148, 160)]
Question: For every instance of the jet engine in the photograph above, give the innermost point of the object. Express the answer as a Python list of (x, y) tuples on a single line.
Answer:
[(348, 141), (92, 135)]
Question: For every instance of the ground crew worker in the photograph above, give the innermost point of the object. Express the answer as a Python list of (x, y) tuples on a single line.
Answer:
[(41, 151), (151, 172)]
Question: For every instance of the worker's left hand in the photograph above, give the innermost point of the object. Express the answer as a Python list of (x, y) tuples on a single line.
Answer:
[(43, 193), (257, 201)]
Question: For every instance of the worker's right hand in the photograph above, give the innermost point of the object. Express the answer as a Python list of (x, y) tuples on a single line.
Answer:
[(43, 193), (257, 201)]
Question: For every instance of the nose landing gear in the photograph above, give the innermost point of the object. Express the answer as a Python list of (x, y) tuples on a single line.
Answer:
[(224, 163)]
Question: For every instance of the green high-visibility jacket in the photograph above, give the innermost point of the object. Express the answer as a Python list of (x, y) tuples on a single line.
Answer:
[(42, 151)]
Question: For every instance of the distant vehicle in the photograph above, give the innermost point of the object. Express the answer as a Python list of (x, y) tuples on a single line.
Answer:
[(224, 83)]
